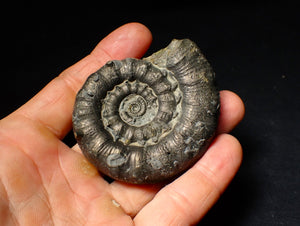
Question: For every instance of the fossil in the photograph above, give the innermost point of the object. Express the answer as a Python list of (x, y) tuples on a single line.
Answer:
[(147, 120)]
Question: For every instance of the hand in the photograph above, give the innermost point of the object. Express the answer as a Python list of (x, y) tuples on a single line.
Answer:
[(43, 181)]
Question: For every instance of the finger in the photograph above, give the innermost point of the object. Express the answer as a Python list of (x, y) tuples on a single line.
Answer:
[(231, 113), (188, 198), (52, 107)]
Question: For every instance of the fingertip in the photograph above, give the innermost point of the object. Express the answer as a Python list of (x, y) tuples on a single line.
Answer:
[(138, 27), (142, 36), (232, 111), (238, 148), (129, 40), (221, 161), (230, 148)]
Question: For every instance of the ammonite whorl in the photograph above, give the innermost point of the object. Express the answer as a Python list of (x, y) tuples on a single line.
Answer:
[(144, 121)]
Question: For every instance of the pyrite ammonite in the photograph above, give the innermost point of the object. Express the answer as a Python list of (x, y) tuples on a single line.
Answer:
[(147, 120)]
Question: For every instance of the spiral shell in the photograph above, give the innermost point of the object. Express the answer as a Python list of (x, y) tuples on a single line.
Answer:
[(144, 121)]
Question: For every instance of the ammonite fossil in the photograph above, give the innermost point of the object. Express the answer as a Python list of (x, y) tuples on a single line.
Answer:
[(144, 121)]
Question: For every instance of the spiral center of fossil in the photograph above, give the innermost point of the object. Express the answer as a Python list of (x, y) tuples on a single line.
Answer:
[(136, 111), (133, 105)]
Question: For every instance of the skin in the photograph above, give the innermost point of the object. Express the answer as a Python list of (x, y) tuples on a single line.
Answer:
[(45, 182)]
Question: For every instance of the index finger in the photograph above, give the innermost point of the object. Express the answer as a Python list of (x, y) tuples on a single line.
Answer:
[(53, 105)]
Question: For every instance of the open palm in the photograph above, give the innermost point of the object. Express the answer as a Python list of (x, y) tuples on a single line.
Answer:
[(45, 182)]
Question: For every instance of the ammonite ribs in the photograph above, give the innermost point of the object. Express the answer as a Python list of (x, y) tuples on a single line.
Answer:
[(144, 121)]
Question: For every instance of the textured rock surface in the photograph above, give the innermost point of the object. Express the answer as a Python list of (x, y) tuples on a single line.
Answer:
[(144, 121)]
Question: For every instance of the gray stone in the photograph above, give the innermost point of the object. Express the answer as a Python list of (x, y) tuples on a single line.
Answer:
[(145, 121)]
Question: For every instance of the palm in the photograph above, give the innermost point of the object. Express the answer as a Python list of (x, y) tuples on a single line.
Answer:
[(45, 181)]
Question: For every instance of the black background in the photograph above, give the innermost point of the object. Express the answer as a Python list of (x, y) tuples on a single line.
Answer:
[(253, 48)]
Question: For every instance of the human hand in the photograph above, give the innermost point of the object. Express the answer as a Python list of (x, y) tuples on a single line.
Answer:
[(43, 181)]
